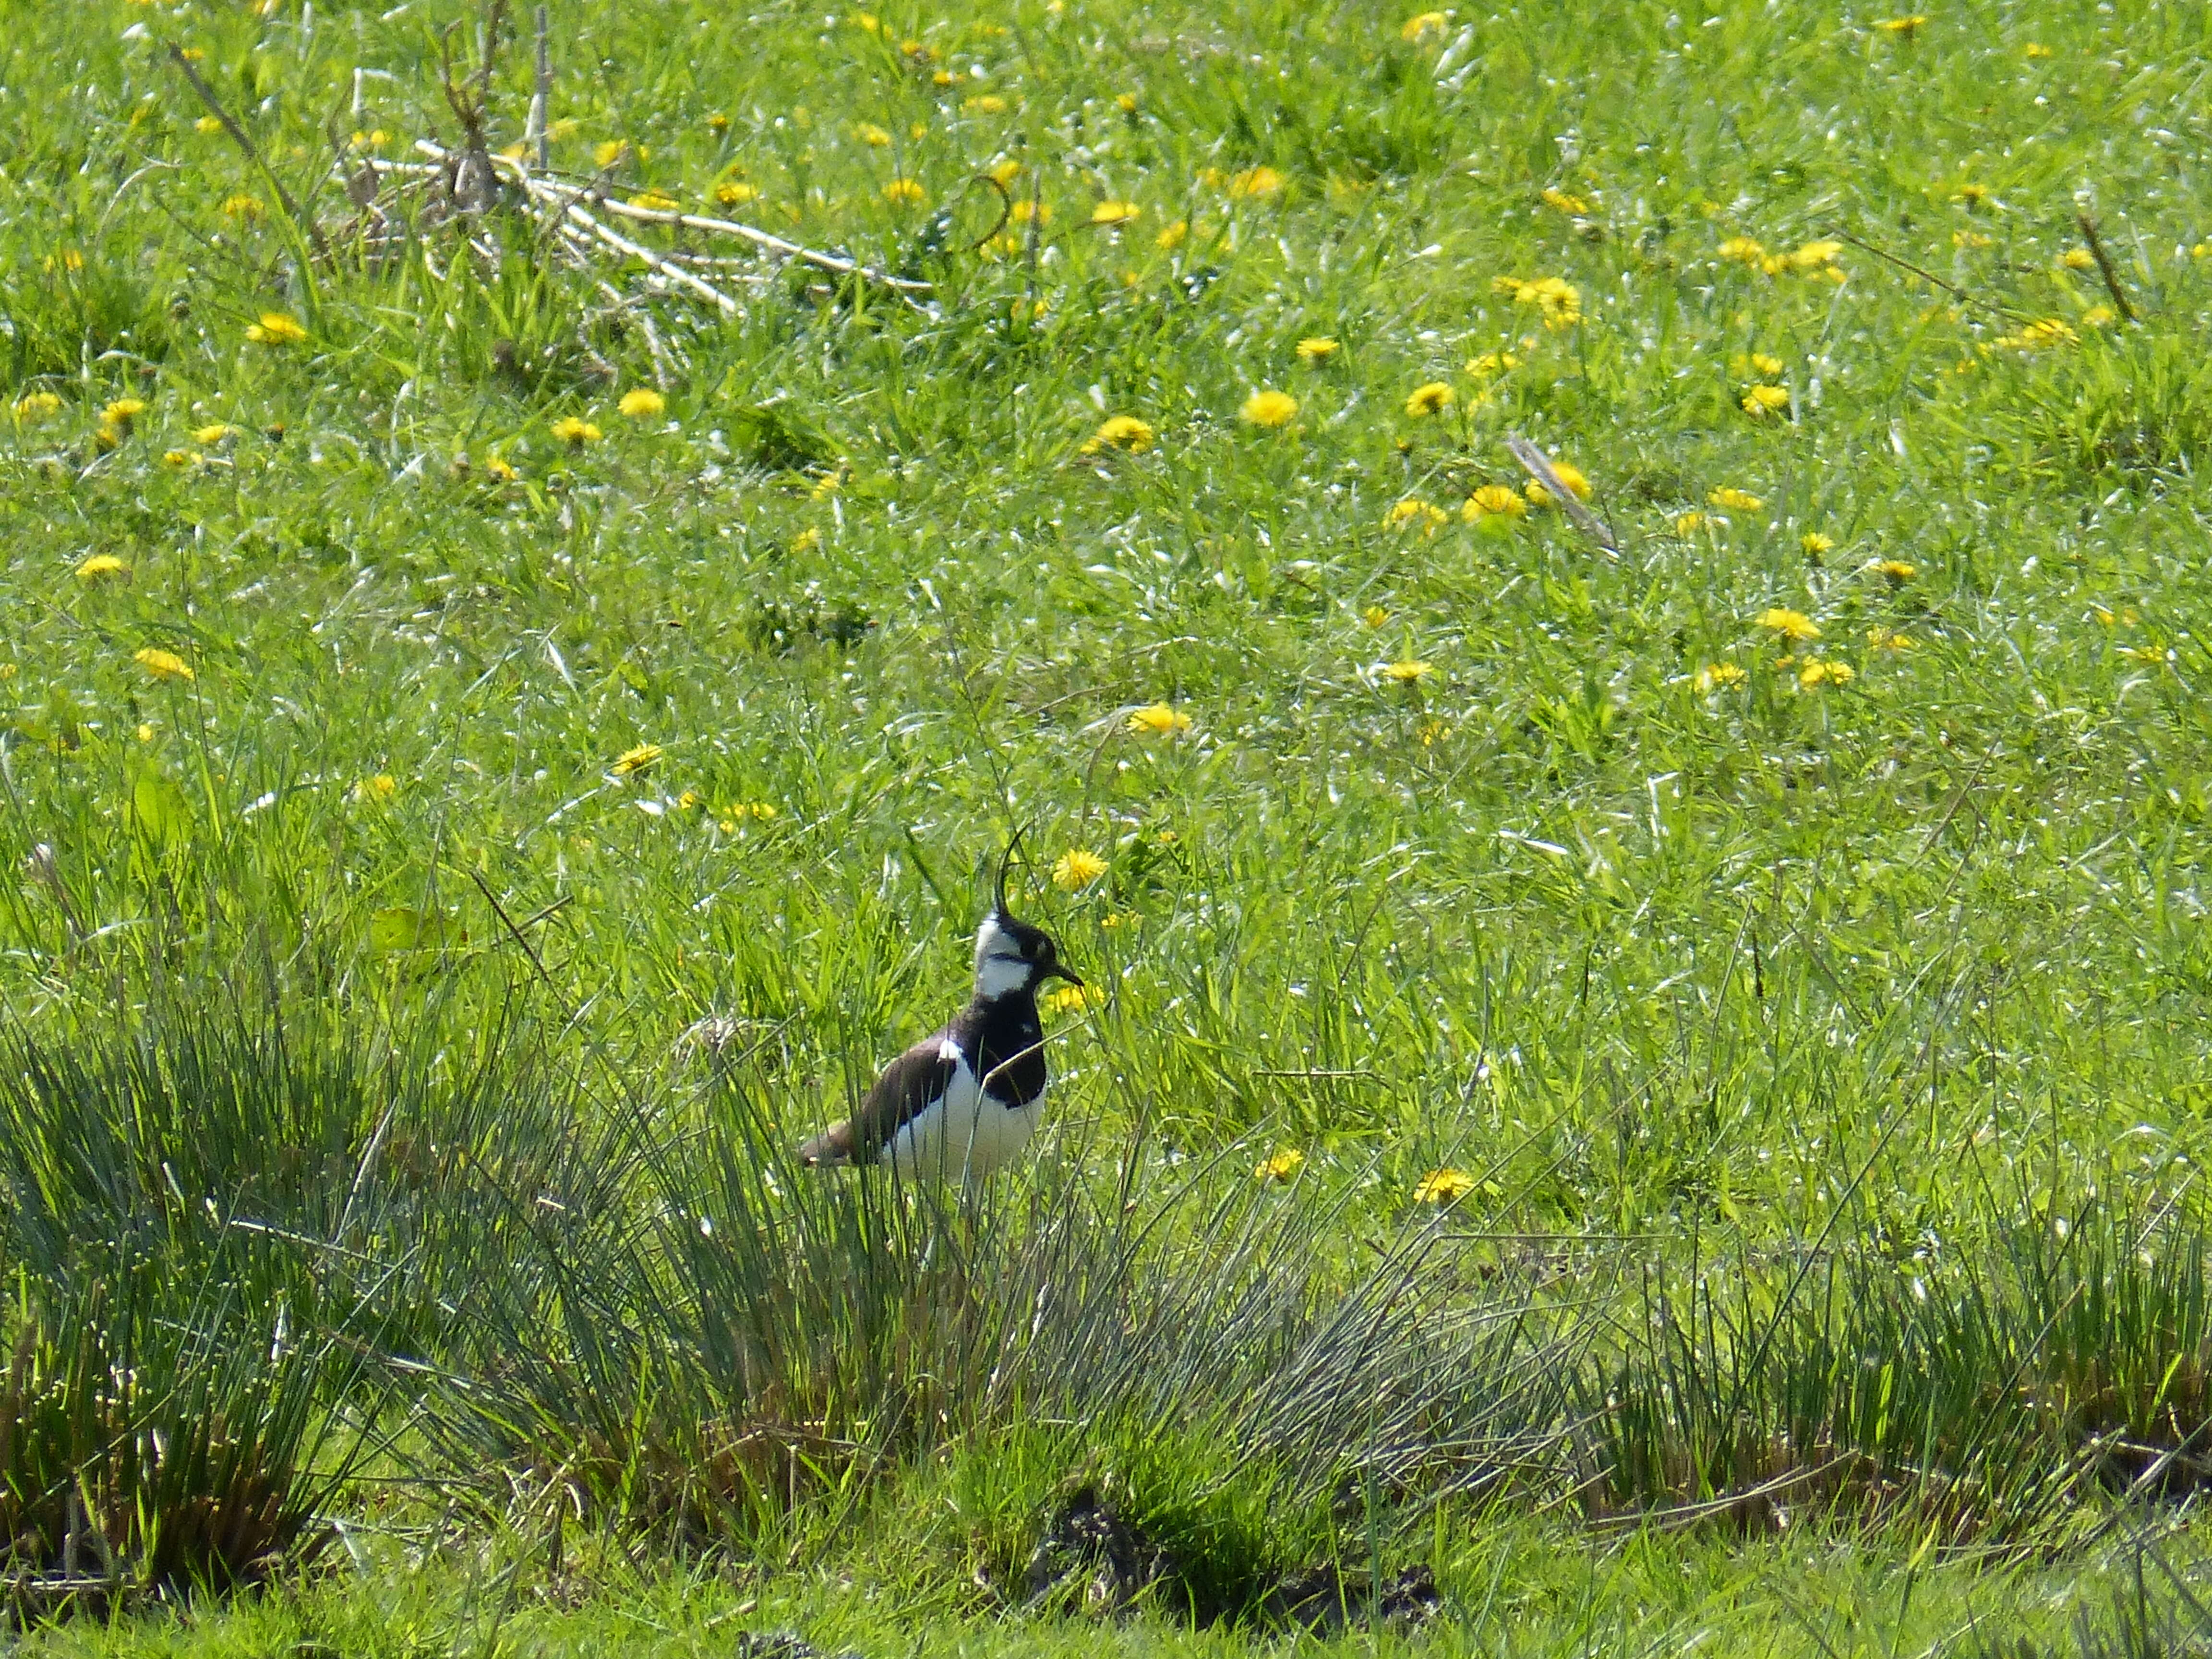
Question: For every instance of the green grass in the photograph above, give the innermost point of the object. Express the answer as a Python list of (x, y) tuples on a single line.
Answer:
[(398, 1090)]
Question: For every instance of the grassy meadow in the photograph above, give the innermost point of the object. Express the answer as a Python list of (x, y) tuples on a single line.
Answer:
[(1647, 1055)]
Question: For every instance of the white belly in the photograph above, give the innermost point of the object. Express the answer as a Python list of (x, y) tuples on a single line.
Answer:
[(967, 1133)]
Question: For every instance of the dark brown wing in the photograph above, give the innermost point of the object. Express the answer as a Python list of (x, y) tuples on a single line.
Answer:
[(906, 1089)]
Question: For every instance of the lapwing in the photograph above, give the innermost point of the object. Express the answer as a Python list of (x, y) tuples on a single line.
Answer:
[(964, 1100)]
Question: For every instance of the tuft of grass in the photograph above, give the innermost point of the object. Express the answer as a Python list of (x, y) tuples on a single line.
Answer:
[(2001, 1396)]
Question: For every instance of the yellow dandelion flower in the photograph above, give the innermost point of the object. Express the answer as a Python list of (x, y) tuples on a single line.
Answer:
[(123, 411), (1688, 523), (1409, 670), (1429, 399), (1492, 363), (2097, 316), (1375, 616), (2040, 336), (1114, 213), (68, 260), (499, 469), (1888, 639), (1072, 999), (1742, 250), (1895, 570), (1256, 181), (735, 192), (162, 664), (641, 758), (1424, 26), (1815, 543), (1740, 501), (1971, 195), (180, 458), (718, 123), (208, 124), (1125, 102), (1269, 409), (984, 103), (1171, 236), (1494, 501), (1159, 720), (1442, 1186), (1815, 256), (1076, 869), (1791, 624), (37, 405), (1120, 432), (242, 207), (1718, 677), (1558, 301), (575, 431), (1565, 203), (209, 436), (1279, 1166), (904, 192), (1902, 28), (277, 329), (607, 154), (1763, 364), (1823, 672), (2035, 51), (641, 403), (381, 787), (871, 135), (103, 566), (1316, 349), (1415, 511)]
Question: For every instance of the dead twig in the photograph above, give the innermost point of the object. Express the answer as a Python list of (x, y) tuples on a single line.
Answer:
[(1539, 467), (761, 239), (2104, 266), (1005, 211), (538, 132), (1926, 276), (238, 135)]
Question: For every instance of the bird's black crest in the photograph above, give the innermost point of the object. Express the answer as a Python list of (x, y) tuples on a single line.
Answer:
[(1005, 863)]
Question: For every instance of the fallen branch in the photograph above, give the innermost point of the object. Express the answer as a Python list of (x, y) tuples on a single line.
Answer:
[(238, 137), (2104, 266), (1539, 467), (674, 273), (765, 240)]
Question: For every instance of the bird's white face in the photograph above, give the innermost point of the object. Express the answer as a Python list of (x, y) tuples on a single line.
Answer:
[(1001, 967)]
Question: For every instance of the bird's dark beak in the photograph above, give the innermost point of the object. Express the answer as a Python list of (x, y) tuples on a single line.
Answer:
[(1056, 970)]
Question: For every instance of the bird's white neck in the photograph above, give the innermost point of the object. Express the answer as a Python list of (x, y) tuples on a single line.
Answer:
[(999, 969)]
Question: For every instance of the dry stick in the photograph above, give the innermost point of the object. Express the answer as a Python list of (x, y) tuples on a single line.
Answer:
[(541, 101), (238, 135), (1539, 468), (564, 194), (760, 239), (1005, 212), (661, 375), (1925, 275), (622, 244), (2105, 267)]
